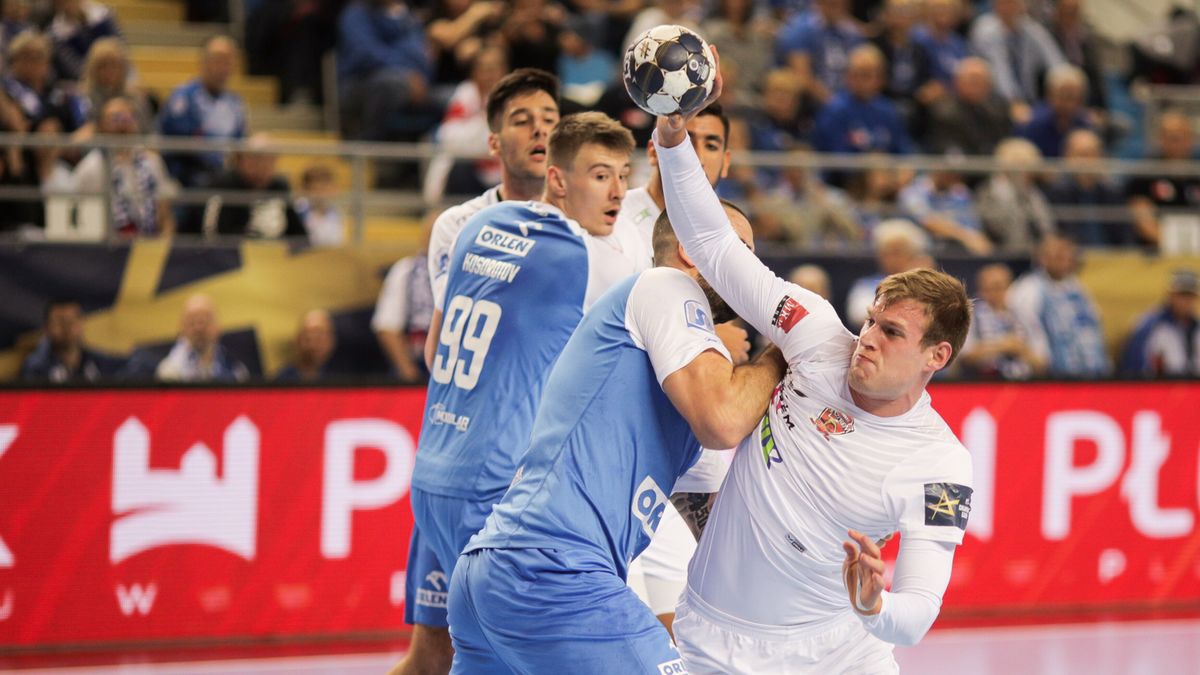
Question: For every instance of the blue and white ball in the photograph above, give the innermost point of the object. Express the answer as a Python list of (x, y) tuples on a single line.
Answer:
[(668, 69)]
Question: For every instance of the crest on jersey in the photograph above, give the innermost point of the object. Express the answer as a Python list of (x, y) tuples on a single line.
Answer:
[(833, 422), (696, 316), (788, 313), (947, 504)]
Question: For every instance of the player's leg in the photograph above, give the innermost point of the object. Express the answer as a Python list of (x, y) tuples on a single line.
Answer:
[(537, 613), (473, 653), (426, 586)]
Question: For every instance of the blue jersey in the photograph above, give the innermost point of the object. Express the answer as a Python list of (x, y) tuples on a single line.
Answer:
[(517, 288), (608, 445)]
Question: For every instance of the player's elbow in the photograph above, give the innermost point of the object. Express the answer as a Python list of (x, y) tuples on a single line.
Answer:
[(719, 429)]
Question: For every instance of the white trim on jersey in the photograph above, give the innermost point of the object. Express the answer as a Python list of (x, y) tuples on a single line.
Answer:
[(668, 317), (441, 240)]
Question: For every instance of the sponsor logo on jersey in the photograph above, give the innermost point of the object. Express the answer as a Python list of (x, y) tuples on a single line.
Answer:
[(788, 313), (674, 667), (947, 504), (487, 267), (499, 240), (794, 542), (439, 415), (781, 406), (833, 422), (766, 438), (649, 503), (435, 597), (696, 316)]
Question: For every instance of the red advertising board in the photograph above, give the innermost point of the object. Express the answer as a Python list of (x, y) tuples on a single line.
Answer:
[(143, 515)]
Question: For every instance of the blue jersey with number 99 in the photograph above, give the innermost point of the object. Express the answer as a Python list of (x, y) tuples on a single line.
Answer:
[(518, 280)]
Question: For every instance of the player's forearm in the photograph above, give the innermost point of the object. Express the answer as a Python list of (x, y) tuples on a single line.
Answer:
[(745, 400), (921, 575)]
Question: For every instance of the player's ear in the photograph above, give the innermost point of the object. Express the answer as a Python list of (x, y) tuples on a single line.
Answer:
[(726, 162), (556, 183), (652, 154), (493, 145), (683, 256), (939, 355)]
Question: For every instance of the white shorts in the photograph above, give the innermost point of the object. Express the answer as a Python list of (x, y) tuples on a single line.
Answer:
[(710, 645), (659, 574)]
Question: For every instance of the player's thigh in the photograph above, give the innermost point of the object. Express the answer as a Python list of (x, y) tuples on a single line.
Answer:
[(473, 653), (862, 654), (425, 585), (538, 615)]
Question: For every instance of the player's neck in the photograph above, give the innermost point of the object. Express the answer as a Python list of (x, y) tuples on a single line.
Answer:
[(655, 189), (886, 407), (522, 190)]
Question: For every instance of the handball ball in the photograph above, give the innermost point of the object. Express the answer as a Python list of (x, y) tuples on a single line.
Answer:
[(668, 69)]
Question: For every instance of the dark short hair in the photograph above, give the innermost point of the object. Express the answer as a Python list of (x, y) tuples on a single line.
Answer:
[(664, 240), (54, 303), (715, 110), (518, 82)]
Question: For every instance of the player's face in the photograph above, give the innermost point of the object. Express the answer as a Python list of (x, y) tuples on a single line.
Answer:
[(890, 361), (522, 143), (708, 137), (594, 187)]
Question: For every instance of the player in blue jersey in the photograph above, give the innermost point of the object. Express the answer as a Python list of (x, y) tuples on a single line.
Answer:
[(522, 111), (520, 275), (642, 383)]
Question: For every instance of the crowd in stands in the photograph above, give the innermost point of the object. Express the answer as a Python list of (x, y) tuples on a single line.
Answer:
[(1010, 80)]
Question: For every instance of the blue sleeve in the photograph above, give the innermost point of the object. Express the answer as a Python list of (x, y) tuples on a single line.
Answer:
[(793, 38), (364, 52), (178, 117), (827, 133)]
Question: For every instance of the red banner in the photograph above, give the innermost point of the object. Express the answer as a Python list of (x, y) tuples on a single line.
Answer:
[(169, 514)]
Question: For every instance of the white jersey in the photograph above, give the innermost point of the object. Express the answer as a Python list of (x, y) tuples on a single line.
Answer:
[(636, 219), (445, 231), (818, 465)]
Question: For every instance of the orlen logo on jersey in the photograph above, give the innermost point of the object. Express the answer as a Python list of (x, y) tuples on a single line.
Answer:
[(649, 503), (498, 240)]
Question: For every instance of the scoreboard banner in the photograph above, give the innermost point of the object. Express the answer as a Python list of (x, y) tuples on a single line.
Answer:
[(196, 514)]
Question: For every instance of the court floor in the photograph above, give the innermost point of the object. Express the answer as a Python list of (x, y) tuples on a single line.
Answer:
[(1139, 648)]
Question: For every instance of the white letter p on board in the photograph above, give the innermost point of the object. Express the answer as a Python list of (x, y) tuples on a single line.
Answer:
[(342, 495)]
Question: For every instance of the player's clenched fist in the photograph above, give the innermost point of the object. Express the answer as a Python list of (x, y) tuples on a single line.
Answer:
[(736, 340), (862, 573)]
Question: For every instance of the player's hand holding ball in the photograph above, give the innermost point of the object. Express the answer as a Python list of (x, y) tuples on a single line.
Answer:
[(862, 573), (671, 72)]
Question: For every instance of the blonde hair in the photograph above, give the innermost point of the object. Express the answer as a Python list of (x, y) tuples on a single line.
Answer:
[(575, 131), (25, 41), (101, 50)]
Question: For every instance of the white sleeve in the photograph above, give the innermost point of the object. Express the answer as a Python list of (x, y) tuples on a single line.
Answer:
[(668, 317), (441, 244), (796, 319), (707, 474), (392, 305), (932, 499), (920, 578)]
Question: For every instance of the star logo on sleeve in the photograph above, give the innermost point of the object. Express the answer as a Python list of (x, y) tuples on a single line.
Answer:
[(947, 504)]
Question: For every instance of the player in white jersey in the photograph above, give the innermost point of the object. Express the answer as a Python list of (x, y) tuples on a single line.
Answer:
[(522, 111), (850, 445), (658, 575)]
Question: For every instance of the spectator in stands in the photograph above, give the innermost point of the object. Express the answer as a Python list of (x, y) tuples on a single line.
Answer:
[(464, 129), (204, 108), (140, 189), (1016, 215), (1081, 48), (403, 313), (1166, 340), (531, 30), (1058, 314), (60, 355), (314, 345), (899, 246), (457, 31), (817, 46), (873, 196), (1089, 207), (14, 19), (741, 33), (1153, 198), (106, 75), (46, 106), (269, 216), (909, 81), (198, 355), (776, 125), (940, 36), (1061, 113), (315, 206), (1020, 51), (76, 26), (943, 204), (974, 119), (803, 211), (997, 345), (384, 72), (584, 70), (858, 119), (813, 278)]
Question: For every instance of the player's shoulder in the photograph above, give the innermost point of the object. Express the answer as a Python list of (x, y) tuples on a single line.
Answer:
[(938, 454), (461, 213), (666, 281)]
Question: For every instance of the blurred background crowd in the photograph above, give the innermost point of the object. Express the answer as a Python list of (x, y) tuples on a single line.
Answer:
[(907, 132)]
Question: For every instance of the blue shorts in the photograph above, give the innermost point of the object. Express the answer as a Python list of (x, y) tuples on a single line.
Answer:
[(534, 611), (441, 528)]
